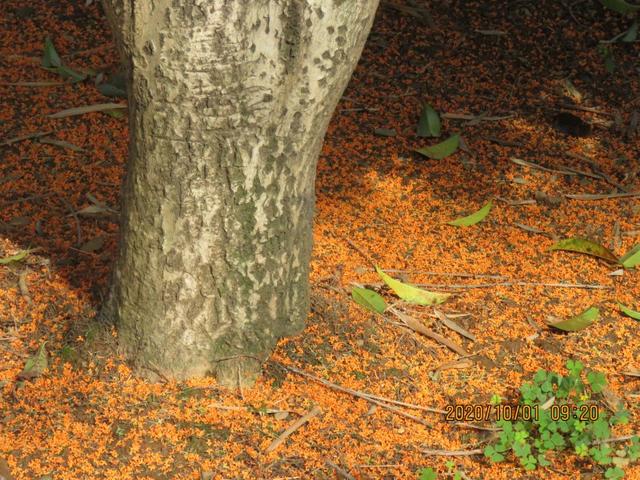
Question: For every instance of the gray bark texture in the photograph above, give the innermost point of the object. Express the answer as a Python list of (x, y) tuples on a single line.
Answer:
[(229, 101)]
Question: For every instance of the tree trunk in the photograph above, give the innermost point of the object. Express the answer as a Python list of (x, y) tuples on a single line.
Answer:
[(228, 105)]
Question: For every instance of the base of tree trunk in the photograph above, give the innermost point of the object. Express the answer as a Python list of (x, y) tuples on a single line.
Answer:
[(228, 106), (240, 367)]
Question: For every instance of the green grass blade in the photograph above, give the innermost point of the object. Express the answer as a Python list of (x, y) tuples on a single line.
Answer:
[(632, 258), (627, 311)]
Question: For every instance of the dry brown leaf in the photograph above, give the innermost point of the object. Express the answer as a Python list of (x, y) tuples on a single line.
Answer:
[(455, 364), (93, 245), (281, 415), (24, 287), (613, 401), (5, 474)]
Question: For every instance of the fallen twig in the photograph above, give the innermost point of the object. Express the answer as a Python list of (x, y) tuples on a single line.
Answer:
[(524, 163), (383, 401), (616, 241), (569, 106), (235, 408), (340, 472), (416, 12), (504, 143), (516, 283), (615, 439), (517, 202), (417, 326), (452, 453), (477, 427), (61, 144), (315, 411), (73, 214), (596, 169), (100, 107), (453, 325), (529, 229), (601, 196), (89, 51), (26, 199), (465, 116), (361, 252), (27, 136), (446, 274), (359, 109), (43, 83)]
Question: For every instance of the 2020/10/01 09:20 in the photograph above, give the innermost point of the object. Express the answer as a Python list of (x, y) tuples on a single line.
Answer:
[(527, 413)]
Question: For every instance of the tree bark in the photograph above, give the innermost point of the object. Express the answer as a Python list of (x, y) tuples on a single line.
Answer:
[(229, 101)]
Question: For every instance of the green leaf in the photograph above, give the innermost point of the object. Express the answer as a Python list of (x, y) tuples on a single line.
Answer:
[(427, 474), (614, 473), (473, 218), (620, 6), (631, 258), (491, 453), (50, 57), (115, 113), (578, 322), (442, 149), (67, 72), (627, 311), (35, 365), (429, 123), (585, 246), (385, 132), (607, 56), (412, 294), (368, 299), (114, 86), (542, 460), (68, 354), (575, 367), (17, 257), (597, 381), (632, 33)]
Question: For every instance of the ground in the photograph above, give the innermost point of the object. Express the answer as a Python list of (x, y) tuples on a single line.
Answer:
[(498, 73)]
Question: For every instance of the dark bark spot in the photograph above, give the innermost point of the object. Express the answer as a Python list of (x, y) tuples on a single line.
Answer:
[(292, 33), (149, 48)]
